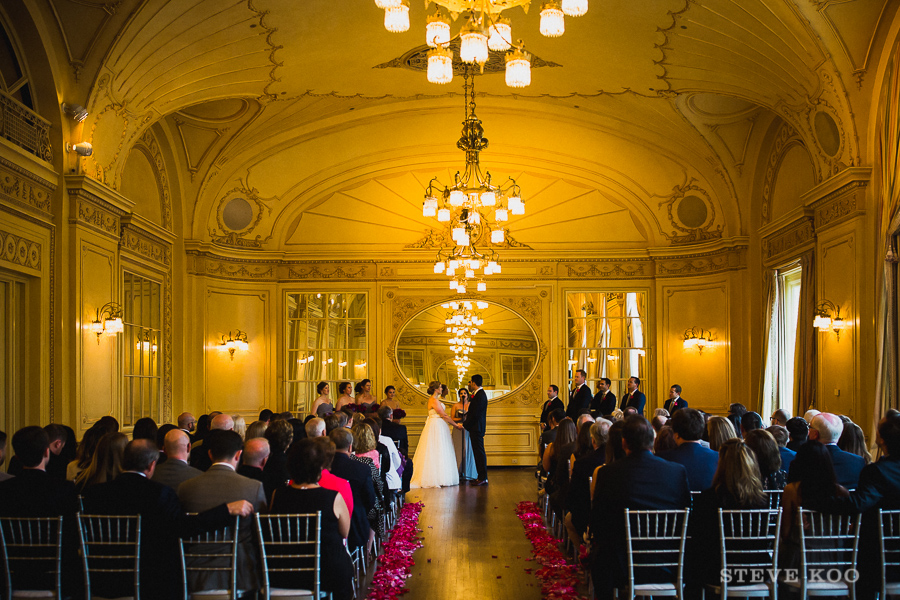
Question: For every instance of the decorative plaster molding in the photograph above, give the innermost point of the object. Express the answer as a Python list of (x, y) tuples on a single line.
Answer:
[(24, 189), (691, 235), (318, 271), (148, 143), (713, 262), (104, 221), (136, 242), (788, 238), (785, 134), (602, 270), (20, 251), (838, 204), (238, 271)]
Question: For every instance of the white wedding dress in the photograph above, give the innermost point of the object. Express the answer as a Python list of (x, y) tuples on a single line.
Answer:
[(434, 464)]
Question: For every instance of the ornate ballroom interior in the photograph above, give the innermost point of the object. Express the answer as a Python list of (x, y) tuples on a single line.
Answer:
[(701, 179)]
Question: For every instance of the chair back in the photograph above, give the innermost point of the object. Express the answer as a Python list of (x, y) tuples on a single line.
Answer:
[(290, 544), (827, 542), (655, 540), (748, 539), (31, 550), (889, 544), (110, 550), (774, 498), (210, 552)]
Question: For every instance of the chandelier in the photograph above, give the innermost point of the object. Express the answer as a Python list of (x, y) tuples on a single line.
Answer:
[(466, 206), (462, 323), (485, 29)]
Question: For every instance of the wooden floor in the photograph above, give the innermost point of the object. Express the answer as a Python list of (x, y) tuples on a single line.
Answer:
[(475, 543)]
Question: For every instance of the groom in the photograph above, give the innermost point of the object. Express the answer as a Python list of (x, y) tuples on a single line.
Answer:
[(475, 425)]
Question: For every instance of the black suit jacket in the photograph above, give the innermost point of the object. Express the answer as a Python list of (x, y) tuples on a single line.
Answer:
[(699, 462), (398, 433), (476, 418), (678, 404), (603, 405), (847, 467), (579, 402), (636, 400), (162, 522), (549, 407), (363, 488)]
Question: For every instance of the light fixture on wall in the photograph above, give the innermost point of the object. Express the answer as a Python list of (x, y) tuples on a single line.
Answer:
[(828, 316), (108, 320), (697, 337), (234, 341), (76, 112), (146, 342), (81, 148)]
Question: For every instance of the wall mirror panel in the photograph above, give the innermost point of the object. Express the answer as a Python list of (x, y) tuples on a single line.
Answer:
[(505, 351)]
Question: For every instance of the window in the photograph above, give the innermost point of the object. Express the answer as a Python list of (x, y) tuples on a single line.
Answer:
[(515, 369), (13, 79), (605, 332), (143, 347), (326, 341), (413, 362), (779, 382)]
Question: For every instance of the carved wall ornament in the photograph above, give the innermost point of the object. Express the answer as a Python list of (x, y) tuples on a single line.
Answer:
[(785, 135), (726, 260), (233, 230), (24, 189), (103, 220), (238, 271), (788, 238), (134, 241), (20, 251), (148, 142), (602, 270), (318, 271), (692, 213)]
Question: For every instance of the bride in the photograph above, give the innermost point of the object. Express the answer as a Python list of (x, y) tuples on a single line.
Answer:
[(434, 464)]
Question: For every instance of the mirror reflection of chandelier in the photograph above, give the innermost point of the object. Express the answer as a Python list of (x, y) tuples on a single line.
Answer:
[(466, 206), (486, 28), (462, 323)]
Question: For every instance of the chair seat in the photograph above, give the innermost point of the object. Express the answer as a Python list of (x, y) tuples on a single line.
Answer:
[(33, 594), (655, 589), (892, 588), (754, 589), (825, 587), (286, 593)]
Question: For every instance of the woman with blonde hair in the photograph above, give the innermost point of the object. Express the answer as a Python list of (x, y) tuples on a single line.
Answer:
[(434, 464), (365, 451), (720, 431), (240, 426), (106, 463)]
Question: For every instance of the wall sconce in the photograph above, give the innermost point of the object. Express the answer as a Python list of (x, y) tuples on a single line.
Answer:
[(697, 337), (828, 316), (81, 148), (238, 341), (77, 112), (108, 320), (146, 342)]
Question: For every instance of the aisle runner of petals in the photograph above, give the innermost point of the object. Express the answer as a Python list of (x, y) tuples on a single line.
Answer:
[(395, 563), (558, 578)]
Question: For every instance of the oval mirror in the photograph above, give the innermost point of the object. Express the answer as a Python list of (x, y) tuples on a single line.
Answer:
[(505, 350)]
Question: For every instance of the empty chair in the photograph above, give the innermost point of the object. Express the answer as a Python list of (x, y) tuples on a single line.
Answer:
[(889, 545), (290, 554), (748, 543), (111, 554), (828, 547), (209, 561), (655, 552), (32, 555)]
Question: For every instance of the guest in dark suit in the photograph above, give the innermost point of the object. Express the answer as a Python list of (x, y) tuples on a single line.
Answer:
[(580, 396), (634, 398), (798, 429), (604, 402), (826, 428), (175, 470), (163, 521), (199, 455), (187, 423), (638, 481), (549, 436), (476, 425), (253, 463), (553, 402), (398, 433), (687, 429), (56, 467), (361, 484), (221, 484), (675, 401)]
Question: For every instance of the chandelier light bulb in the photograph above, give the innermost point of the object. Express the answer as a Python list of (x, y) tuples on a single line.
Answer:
[(501, 214), (488, 198), (497, 236), (437, 30), (440, 65), (481, 286), (396, 18), (457, 233), (461, 289), (553, 22), (470, 274), (463, 240), (473, 43), (501, 34), (516, 206), (475, 217), (457, 198), (385, 4), (439, 267), (518, 68), (574, 8), (472, 263), (443, 215), (488, 270), (454, 264)]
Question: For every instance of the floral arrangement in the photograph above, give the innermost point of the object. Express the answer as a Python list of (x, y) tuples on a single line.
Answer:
[(559, 579), (395, 563), (399, 413)]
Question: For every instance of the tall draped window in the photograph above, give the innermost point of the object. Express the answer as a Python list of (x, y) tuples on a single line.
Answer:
[(778, 388), (142, 305), (326, 341)]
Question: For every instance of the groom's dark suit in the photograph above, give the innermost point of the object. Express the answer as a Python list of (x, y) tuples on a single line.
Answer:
[(476, 424)]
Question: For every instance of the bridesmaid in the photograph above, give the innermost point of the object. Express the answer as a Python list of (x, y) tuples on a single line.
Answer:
[(364, 397), (345, 397), (389, 393), (322, 405)]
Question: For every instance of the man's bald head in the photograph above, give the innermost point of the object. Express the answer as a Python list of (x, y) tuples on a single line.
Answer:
[(177, 445), (222, 421), (256, 451), (186, 421)]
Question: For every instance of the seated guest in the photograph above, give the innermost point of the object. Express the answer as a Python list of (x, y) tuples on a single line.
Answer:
[(361, 484), (240, 425), (145, 428), (808, 415), (559, 450), (638, 481), (395, 431), (798, 429), (199, 456), (186, 423), (306, 461), (221, 484), (659, 421), (280, 434), (853, 440), (768, 458), (256, 429), (547, 437), (750, 421), (700, 463), (559, 498), (578, 504), (85, 451), (781, 436), (665, 441), (330, 481), (736, 410), (163, 521), (827, 428), (391, 463), (164, 429), (315, 427), (175, 470), (58, 464), (720, 431), (780, 417), (3, 476), (106, 464), (365, 451), (253, 463)]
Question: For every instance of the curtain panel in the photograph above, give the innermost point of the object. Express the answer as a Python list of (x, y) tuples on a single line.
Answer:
[(805, 366)]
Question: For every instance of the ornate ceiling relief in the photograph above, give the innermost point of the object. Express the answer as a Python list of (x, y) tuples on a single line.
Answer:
[(692, 213), (238, 214)]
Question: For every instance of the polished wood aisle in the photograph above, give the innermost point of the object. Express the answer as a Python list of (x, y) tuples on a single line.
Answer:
[(463, 528)]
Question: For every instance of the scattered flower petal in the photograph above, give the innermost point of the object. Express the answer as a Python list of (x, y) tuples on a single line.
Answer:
[(559, 579), (395, 562)]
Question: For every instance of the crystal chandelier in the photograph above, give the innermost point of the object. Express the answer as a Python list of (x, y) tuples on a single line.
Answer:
[(466, 206), (462, 323), (484, 29)]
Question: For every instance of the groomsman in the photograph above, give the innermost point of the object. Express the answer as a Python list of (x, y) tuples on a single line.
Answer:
[(675, 401), (604, 402), (580, 397), (634, 398), (553, 402)]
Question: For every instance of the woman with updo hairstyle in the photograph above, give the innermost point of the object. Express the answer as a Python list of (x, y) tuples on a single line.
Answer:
[(306, 461), (322, 405), (364, 397), (364, 451), (280, 435), (345, 398)]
